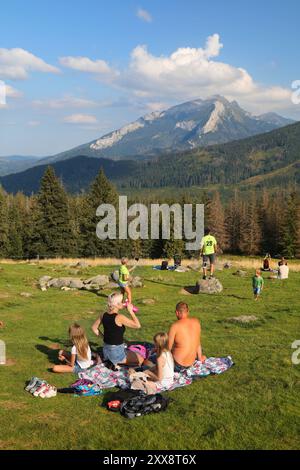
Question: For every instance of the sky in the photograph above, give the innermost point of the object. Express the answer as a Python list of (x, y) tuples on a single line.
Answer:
[(73, 71)]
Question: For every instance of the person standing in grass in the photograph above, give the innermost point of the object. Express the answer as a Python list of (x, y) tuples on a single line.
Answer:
[(124, 273), (257, 284), (208, 252)]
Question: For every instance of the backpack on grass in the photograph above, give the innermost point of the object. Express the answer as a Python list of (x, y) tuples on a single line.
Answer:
[(143, 405)]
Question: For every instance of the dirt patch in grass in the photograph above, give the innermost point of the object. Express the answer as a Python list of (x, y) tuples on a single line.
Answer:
[(46, 416), (4, 295), (10, 362), (8, 444), (12, 405)]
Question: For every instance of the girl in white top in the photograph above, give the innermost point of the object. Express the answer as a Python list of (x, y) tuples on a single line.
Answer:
[(163, 373), (81, 355)]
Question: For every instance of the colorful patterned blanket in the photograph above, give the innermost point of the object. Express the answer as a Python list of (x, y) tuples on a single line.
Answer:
[(106, 378)]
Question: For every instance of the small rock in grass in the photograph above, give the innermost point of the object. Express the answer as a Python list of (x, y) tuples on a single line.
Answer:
[(227, 265), (240, 273), (243, 319), (25, 294), (148, 301)]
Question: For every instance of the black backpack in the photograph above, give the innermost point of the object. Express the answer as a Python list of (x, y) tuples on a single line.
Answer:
[(143, 405), (164, 265)]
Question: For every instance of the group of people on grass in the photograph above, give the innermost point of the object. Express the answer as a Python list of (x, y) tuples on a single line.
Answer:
[(175, 351)]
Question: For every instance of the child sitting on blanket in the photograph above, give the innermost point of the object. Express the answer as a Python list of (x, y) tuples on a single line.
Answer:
[(81, 355), (163, 373)]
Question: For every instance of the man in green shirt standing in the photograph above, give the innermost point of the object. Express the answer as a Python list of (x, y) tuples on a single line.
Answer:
[(208, 252)]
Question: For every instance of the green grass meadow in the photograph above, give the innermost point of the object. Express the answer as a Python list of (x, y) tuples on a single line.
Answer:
[(255, 405)]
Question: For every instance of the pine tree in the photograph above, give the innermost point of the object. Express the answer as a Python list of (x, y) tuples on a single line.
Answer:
[(291, 227), (250, 229), (233, 223), (215, 220), (52, 235), (4, 227), (15, 226), (101, 192)]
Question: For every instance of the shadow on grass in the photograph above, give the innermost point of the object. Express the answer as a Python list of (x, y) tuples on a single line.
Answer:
[(65, 343), (50, 353), (191, 290), (163, 283), (237, 297)]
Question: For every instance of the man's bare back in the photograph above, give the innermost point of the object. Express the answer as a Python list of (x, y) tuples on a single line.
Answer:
[(184, 341)]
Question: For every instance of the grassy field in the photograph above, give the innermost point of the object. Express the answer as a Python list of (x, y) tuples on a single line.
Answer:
[(255, 405)]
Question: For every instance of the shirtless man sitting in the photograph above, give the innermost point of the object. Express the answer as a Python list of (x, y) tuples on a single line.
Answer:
[(184, 339)]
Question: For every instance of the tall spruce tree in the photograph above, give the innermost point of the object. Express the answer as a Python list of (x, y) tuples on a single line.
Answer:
[(290, 230), (52, 234), (4, 225), (250, 229), (215, 220), (101, 192)]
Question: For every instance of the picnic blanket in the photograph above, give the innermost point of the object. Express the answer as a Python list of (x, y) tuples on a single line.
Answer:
[(106, 378)]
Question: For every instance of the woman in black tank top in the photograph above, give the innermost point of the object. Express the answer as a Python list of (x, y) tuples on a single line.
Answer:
[(114, 324)]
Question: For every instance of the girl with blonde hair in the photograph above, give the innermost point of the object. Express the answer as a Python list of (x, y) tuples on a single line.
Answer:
[(163, 373), (80, 357)]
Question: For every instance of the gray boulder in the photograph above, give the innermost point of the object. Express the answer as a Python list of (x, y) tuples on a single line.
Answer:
[(100, 280), (136, 281), (59, 282), (76, 284), (208, 286)]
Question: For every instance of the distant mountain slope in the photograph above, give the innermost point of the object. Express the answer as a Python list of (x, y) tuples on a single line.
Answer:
[(186, 126), (76, 174), (268, 159), (16, 163)]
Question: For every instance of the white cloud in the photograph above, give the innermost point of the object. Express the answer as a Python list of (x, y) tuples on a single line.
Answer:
[(15, 64), (191, 73), (12, 92), (144, 15), (33, 123), (67, 101), (81, 119), (84, 64)]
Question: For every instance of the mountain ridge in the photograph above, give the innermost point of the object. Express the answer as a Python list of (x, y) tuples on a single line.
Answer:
[(266, 159)]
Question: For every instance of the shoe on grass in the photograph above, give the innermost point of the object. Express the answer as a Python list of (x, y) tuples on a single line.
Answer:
[(40, 389), (51, 392), (31, 383), (37, 384)]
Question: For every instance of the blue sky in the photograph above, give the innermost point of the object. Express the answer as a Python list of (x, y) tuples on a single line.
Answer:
[(76, 70)]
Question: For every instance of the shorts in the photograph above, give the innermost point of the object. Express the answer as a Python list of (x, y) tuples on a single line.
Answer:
[(179, 368), (78, 368), (210, 257), (115, 353), (256, 290), (123, 284)]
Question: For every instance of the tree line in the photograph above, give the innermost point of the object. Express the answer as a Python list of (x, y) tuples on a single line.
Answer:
[(53, 223)]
